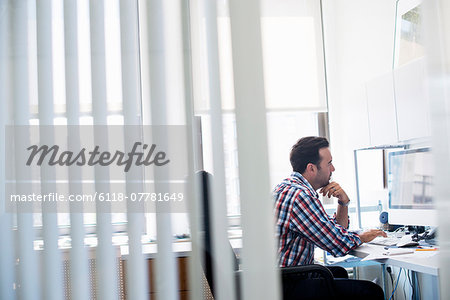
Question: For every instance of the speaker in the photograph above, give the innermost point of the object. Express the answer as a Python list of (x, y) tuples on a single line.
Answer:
[(384, 217)]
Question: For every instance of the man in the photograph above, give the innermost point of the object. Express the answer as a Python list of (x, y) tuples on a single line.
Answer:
[(302, 222)]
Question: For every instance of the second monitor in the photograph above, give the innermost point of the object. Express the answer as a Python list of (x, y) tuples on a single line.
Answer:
[(410, 184)]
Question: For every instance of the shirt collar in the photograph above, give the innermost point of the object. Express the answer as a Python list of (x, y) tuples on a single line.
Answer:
[(298, 178)]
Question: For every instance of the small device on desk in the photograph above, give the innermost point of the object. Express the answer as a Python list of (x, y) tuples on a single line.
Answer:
[(385, 241), (407, 241), (395, 251), (404, 241), (430, 236)]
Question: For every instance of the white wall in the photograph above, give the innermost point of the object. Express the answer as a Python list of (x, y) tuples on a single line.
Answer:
[(359, 43)]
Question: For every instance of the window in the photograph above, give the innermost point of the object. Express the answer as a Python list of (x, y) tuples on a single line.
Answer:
[(113, 79), (294, 81), (295, 88)]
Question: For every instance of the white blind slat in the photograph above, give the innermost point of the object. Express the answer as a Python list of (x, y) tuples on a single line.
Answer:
[(52, 269), (166, 279), (105, 256), (193, 190), (260, 280), (28, 281), (137, 278), (79, 269), (7, 270), (222, 257)]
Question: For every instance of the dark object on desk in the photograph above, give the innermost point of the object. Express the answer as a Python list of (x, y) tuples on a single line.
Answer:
[(416, 229), (299, 282), (418, 233), (430, 236), (407, 240)]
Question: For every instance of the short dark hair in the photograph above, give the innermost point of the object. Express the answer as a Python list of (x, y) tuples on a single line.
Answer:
[(306, 151)]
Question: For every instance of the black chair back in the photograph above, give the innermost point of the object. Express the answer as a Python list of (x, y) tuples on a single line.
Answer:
[(208, 267)]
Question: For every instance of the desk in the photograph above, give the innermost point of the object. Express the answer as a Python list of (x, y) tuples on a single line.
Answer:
[(424, 262), (419, 261)]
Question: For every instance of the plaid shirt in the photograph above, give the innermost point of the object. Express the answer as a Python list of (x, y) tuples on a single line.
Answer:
[(302, 223)]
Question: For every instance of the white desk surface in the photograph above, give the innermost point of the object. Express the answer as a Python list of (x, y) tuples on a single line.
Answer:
[(419, 261)]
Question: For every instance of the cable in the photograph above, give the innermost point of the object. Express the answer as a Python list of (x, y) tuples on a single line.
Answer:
[(400, 229), (418, 285), (389, 270), (398, 277), (410, 283), (404, 290)]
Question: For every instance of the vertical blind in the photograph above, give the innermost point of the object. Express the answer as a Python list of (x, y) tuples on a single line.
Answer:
[(52, 266), (26, 258), (137, 274), (78, 255), (35, 85), (254, 169), (7, 259)]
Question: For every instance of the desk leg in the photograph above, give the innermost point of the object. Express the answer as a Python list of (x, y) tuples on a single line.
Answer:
[(383, 278)]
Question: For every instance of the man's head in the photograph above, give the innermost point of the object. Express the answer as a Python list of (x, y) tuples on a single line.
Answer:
[(311, 157)]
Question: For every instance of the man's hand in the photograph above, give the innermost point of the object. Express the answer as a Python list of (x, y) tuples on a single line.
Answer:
[(369, 235), (335, 190)]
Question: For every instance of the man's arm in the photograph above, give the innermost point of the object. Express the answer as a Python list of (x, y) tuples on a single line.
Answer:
[(335, 190), (342, 216), (310, 220), (370, 234)]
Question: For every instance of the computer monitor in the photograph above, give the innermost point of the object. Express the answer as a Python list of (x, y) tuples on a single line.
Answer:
[(410, 185)]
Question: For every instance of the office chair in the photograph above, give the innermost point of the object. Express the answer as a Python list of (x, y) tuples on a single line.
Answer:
[(294, 279)]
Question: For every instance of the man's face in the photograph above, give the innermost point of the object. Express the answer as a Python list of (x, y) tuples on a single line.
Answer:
[(325, 168)]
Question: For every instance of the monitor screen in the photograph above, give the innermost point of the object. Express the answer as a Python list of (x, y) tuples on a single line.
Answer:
[(410, 184)]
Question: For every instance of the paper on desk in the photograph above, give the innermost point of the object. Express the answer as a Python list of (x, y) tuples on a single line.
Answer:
[(387, 253)]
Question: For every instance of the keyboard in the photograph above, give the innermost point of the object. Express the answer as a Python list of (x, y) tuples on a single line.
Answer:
[(385, 241)]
